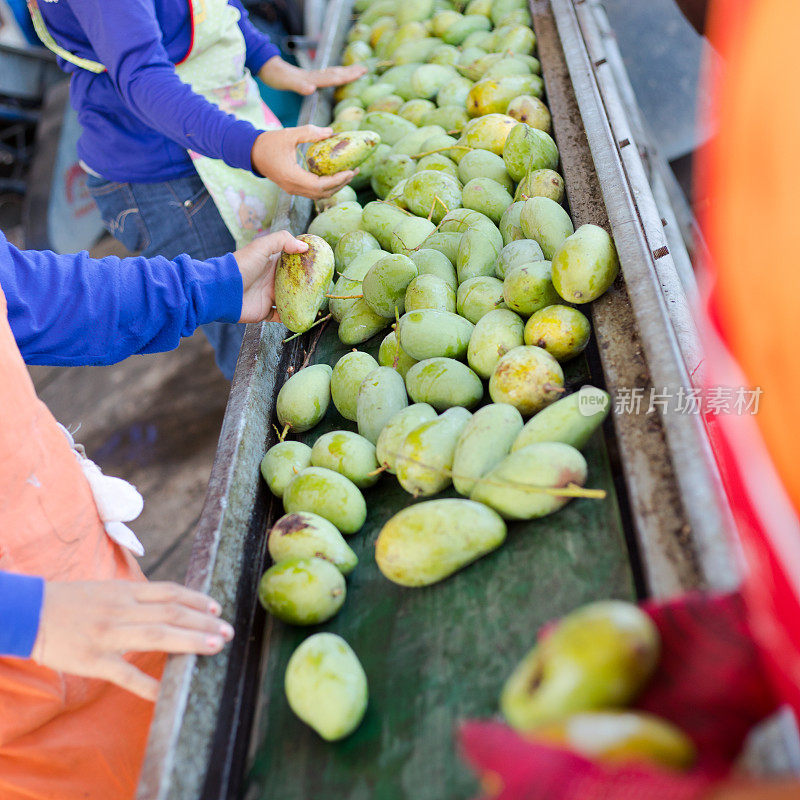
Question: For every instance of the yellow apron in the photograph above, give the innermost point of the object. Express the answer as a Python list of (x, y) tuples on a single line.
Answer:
[(215, 68)]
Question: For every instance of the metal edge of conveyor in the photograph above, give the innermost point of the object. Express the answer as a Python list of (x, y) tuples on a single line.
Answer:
[(187, 719), (658, 301)]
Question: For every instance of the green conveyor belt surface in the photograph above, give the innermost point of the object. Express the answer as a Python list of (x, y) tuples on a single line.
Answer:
[(435, 655)]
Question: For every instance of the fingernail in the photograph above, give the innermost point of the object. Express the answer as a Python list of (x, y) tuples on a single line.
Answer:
[(226, 630), (214, 643), (214, 608)]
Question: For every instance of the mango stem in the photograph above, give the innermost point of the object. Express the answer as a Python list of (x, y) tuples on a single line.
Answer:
[(344, 296), (320, 321), (442, 150)]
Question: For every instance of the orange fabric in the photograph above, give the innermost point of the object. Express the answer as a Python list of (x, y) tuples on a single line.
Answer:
[(750, 173), (60, 736)]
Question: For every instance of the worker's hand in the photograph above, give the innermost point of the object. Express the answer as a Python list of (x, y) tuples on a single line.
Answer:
[(280, 75), (274, 155), (257, 263), (86, 626)]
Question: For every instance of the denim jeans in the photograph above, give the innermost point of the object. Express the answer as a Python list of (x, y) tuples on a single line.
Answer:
[(167, 219)]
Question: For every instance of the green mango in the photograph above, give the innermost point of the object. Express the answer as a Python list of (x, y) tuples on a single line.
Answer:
[(346, 378), (486, 196), (360, 323), (541, 183), (302, 591), (546, 221), (334, 223), (352, 245), (380, 219), (414, 11), (461, 28), (492, 95), (489, 133), (405, 32), (302, 281), (348, 122), (561, 330), (518, 253), (443, 383), (349, 454), (506, 67), (385, 284), (510, 226), (342, 151), (329, 494), (483, 164), (429, 291), (377, 11), (519, 39), (445, 54), (476, 40), (415, 51), (450, 117), (304, 398), (527, 149), (599, 656), (520, 16), (475, 69), (389, 127), (391, 171), (425, 458), (397, 428), (502, 8), (434, 262), (484, 443), (478, 296), (432, 193), (381, 396), (510, 488), (364, 175), (454, 92), (461, 220), (495, 334), (621, 737), (477, 254), (342, 106), (355, 53), (345, 195), (306, 535), (527, 378), (479, 7), (571, 420), (444, 242), (390, 354), (395, 197), (440, 162), (429, 78), (529, 287), (353, 89), (400, 77), (585, 265), (390, 102), (413, 143), (532, 111), (410, 234), (282, 462), (326, 686), (414, 110), (347, 289), (427, 542), (442, 20), (358, 33), (432, 334)]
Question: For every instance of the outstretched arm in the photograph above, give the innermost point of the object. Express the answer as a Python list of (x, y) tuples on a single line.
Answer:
[(70, 310)]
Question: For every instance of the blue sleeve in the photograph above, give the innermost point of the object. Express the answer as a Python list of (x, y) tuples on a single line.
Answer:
[(127, 40), (69, 310), (20, 605), (258, 45)]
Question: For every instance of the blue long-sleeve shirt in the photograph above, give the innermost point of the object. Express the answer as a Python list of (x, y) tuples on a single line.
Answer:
[(71, 309), (138, 117)]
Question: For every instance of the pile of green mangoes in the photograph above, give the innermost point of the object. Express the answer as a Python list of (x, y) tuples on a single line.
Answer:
[(571, 689), (453, 237)]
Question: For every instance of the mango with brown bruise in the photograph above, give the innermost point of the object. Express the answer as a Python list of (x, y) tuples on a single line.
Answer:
[(341, 152), (306, 535), (561, 330), (301, 282), (541, 183), (532, 111)]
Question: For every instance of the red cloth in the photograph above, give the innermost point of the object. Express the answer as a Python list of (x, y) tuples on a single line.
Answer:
[(709, 682)]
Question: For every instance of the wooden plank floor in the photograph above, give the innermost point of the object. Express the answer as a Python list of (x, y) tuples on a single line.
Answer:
[(153, 420)]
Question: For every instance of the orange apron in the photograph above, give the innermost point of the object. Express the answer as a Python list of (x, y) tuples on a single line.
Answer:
[(61, 737), (750, 173)]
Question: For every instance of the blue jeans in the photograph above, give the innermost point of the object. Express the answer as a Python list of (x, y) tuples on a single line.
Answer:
[(167, 219)]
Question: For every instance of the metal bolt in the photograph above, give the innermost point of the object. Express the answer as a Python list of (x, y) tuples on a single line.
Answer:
[(188, 203)]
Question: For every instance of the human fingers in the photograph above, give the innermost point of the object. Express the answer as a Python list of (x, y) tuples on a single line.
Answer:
[(175, 615), (161, 638), (116, 669), (283, 242), (168, 591), (310, 133), (337, 76)]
